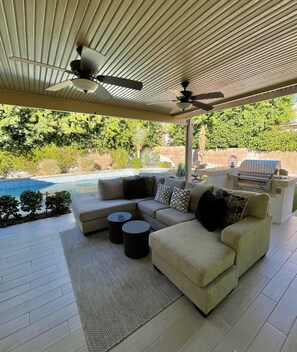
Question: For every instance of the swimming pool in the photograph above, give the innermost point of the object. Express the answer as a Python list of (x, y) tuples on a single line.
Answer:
[(73, 183)]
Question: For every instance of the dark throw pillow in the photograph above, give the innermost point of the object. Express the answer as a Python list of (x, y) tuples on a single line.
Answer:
[(210, 211), (149, 184), (134, 189), (235, 207)]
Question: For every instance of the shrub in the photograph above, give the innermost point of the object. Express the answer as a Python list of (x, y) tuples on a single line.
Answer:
[(59, 203), (120, 158), (136, 163), (31, 202), (165, 164), (9, 210), (149, 158), (65, 156), (48, 167), (102, 161), (5, 164), (85, 163), (24, 164)]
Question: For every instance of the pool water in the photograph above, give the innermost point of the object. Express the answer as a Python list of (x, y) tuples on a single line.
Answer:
[(73, 183), (73, 187)]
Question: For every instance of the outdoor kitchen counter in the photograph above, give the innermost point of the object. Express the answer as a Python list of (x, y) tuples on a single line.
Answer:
[(218, 176)]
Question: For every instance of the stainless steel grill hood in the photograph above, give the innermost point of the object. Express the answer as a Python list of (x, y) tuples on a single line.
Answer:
[(256, 174)]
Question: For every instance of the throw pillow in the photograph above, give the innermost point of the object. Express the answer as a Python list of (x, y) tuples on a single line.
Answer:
[(163, 194), (210, 211), (180, 199), (235, 207), (149, 184), (111, 189), (134, 189), (196, 193)]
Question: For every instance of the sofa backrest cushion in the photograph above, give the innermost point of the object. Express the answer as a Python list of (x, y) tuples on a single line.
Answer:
[(180, 199), (257, 205), (150, 182), (196, 192), (134, 189), (210, 211), (163, 194), (111, 189), (172, 182)]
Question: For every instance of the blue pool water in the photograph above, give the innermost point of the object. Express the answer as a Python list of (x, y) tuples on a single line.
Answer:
[(73, 183)]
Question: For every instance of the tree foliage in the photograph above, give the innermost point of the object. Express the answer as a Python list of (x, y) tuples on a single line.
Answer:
[(255, 126), (24, 130)]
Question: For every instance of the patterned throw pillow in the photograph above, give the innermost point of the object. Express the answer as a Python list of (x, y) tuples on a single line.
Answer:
[(235, 207), (163, 194), (180, 199)]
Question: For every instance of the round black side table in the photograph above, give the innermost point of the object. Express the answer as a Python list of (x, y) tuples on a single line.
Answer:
[(115, 223), (136, 235)]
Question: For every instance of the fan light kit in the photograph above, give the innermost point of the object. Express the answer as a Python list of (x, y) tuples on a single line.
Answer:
[(86, 70), (184, 105), (85, 85), (185, 99)]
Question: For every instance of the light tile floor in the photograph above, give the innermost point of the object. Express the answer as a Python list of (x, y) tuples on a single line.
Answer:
[(38, 311)]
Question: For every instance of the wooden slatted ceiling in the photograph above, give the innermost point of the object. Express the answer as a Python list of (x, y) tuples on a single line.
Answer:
[(235, 46)]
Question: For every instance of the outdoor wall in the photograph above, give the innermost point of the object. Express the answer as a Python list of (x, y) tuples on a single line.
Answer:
[(220, 156)]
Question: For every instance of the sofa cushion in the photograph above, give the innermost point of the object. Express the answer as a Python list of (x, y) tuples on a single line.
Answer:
[(172, 182), (89, 207), (196, 193), (134, 189), (211, 211), (235, 207), (111, 189), (163, 194), (257, 205), (150, 207), (149, 184), (171, 216), (192, 250), (180, 199)]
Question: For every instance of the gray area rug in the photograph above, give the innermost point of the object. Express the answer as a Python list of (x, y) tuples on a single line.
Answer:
[(115, 295)]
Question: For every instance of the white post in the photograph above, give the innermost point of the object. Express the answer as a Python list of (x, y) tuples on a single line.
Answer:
[(189, 147)]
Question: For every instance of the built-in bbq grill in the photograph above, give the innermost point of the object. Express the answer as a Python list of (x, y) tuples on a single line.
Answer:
[(256, 174)]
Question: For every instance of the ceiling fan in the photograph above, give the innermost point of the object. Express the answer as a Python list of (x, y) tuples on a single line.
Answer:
[(185, 99), (86, 72)]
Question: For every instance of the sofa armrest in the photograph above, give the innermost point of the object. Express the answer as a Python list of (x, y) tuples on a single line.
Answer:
[(249, 238)]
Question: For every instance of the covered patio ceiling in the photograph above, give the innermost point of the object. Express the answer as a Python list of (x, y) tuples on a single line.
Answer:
[(245, 49)]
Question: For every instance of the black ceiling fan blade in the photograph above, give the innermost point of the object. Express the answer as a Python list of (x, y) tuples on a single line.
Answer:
[(91, 60), (122, 82), (211, 95), (203, 106)]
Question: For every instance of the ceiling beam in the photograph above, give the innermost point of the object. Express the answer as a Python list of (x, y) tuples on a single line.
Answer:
[(67, 105)]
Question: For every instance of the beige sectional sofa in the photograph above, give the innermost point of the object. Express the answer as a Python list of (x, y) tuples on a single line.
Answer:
[(204, 265)]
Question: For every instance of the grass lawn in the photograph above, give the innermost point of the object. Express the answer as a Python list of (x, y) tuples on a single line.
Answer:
[(295, 200)]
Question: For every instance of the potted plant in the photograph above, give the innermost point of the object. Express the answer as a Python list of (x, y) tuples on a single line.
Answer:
[(181, 171)]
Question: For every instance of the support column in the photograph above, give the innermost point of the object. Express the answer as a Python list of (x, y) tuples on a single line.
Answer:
[(189, 147)]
